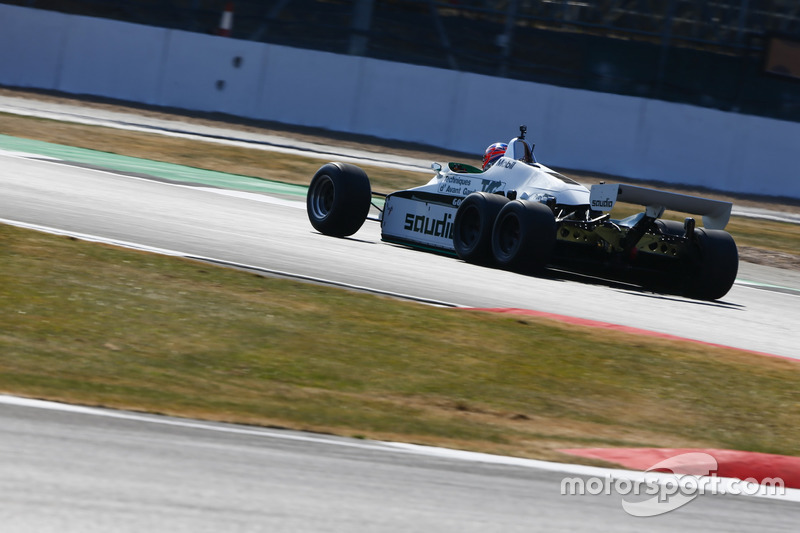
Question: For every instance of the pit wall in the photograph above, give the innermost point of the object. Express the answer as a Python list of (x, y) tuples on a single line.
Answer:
[(621, 135)]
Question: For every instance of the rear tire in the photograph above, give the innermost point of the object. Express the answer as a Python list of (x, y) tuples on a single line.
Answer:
[(338, 199), (472, 227), (713, 268), (523, 236)]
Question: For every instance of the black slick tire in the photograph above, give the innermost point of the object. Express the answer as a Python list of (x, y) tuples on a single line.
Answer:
[(472, 226), (338, 199), (524, 236), (713, 266)]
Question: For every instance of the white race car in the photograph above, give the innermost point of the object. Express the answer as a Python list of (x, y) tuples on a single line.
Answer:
[(520, 215)]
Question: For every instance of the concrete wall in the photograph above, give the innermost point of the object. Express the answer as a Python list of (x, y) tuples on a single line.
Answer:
[(622, 135)]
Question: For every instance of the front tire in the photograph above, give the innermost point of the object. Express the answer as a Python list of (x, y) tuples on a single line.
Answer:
[(472, 227), (524, 236), (338, 199)]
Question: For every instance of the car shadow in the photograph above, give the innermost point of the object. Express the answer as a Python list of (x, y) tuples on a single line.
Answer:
[(353, 239), (633, 288)]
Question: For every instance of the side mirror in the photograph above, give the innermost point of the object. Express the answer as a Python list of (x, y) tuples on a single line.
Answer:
[(436, 166)]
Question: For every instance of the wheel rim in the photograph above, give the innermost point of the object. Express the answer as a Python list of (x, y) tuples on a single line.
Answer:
[(322, 196), (470, 227), (509, 235)]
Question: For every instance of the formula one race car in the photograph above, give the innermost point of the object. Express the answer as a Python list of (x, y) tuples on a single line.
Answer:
[(520, 215)]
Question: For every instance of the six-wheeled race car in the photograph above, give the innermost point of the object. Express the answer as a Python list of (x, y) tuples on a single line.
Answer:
[(523, 216)]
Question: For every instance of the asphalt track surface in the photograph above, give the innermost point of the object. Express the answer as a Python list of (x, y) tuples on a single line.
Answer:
[(87, 470), (73, 471), (274, 235)]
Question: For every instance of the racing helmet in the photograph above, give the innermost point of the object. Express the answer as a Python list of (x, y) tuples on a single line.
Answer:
[(493, 153)]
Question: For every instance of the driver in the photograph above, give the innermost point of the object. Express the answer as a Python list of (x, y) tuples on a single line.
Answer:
[(493, 153)]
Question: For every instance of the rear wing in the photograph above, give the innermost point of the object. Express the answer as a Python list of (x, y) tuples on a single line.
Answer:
[(715, 213)]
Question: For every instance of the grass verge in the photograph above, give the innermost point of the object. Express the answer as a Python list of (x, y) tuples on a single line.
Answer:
[(97, 325)]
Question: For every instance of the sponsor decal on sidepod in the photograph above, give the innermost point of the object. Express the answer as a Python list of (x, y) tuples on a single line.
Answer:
[(429, 226)]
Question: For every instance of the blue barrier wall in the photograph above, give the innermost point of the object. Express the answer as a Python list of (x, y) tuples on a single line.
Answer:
[(627, 136)]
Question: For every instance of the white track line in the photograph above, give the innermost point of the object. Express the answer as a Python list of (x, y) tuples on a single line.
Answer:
[(226, 263)]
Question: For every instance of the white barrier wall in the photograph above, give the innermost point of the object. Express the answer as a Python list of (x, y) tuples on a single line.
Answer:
[(31, 47), (309, 88), (633, 137), (118, 59), (212, 73)]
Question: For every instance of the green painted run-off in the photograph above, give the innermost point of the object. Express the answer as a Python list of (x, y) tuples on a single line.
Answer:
[(135, 165)]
